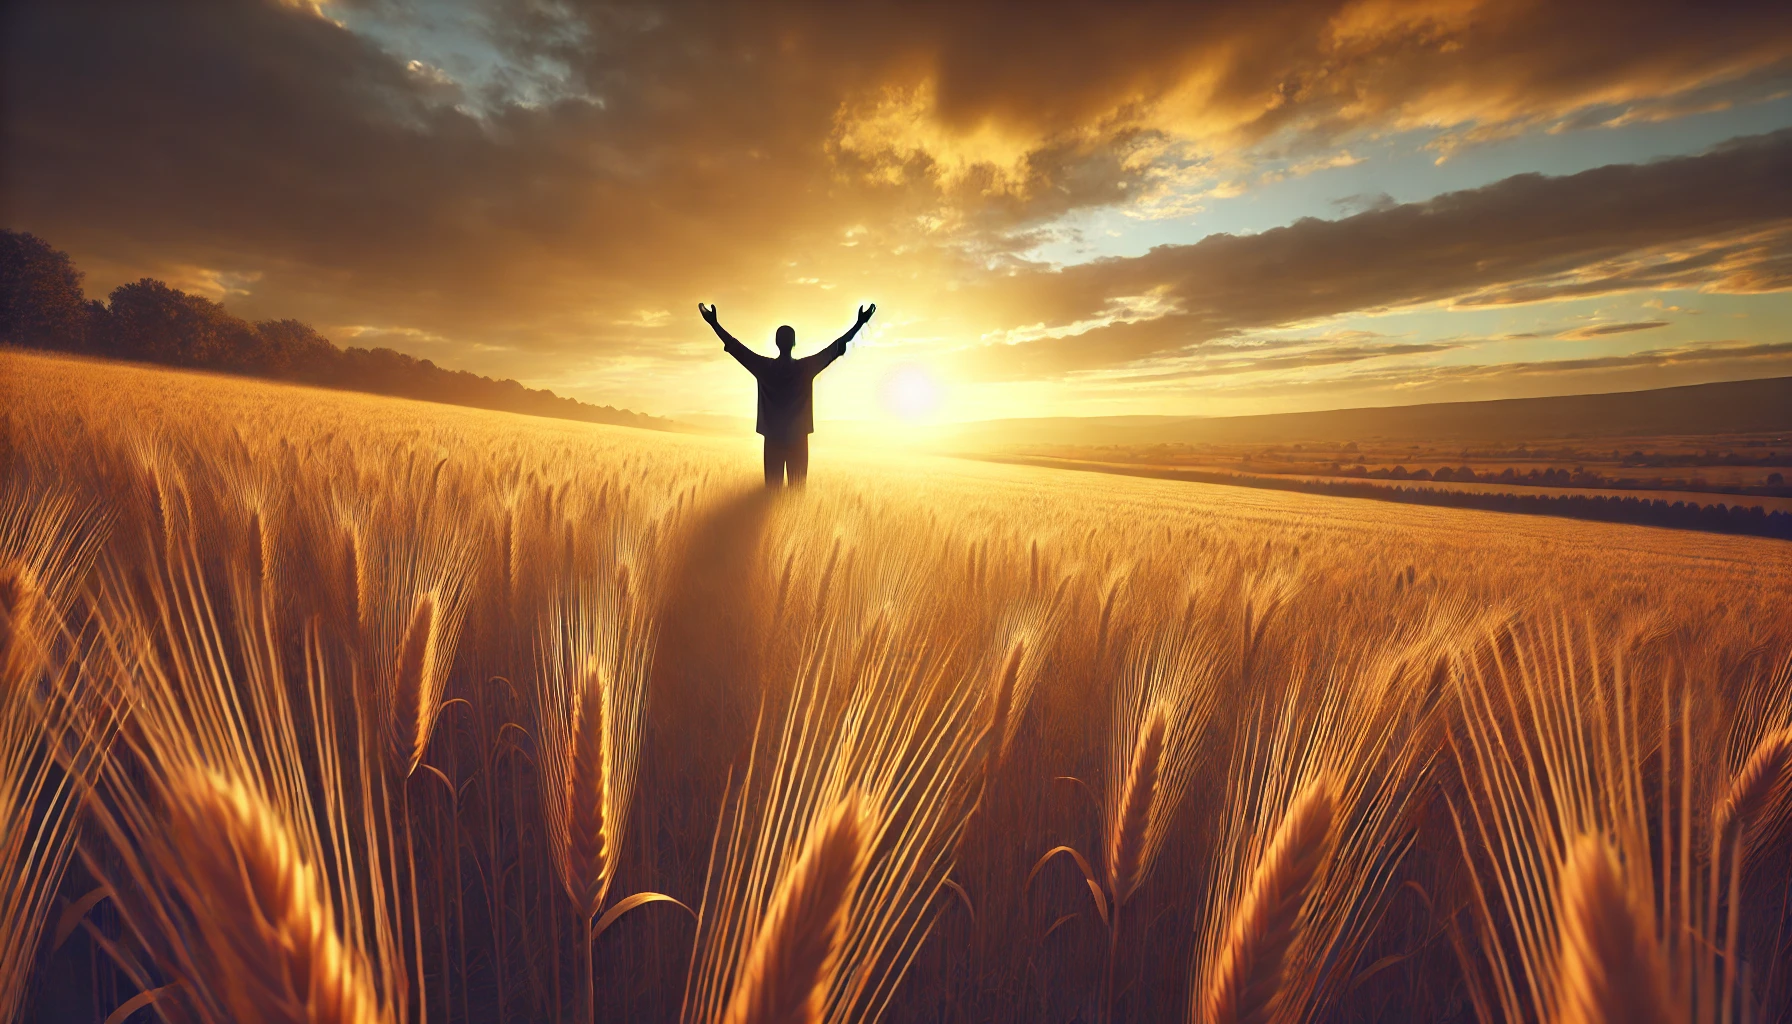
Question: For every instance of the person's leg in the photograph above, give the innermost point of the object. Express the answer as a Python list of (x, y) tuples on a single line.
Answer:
[(774, 463), (798, 460)]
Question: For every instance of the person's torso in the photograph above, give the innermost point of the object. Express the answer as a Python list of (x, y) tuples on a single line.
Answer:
[(786, 393)]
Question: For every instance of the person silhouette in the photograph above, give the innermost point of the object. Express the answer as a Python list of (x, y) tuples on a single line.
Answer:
[(786, 394)]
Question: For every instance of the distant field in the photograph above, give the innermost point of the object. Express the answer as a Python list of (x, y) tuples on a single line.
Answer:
[(1746, 466), (1006, 743), (1287, 480)]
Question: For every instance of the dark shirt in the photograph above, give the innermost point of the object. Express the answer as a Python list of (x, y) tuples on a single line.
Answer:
[(786, 387)]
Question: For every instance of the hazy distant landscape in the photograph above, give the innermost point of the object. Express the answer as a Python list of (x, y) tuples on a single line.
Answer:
[(1628, 457)]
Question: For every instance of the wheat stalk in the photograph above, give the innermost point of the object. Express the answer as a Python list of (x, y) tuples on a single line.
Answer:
[(1611, 970), (1754, 790), (413, 684), (1002, 706), (790, 968), (259, 551), (1757, 785), (588, 859), (1126, 842), (49, 746), (1244, 983), (20, 601), (36, 820), (272, 937)]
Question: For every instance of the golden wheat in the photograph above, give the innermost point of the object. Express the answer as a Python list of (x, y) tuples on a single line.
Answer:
[(1001, 709), (1161, 710), (272, 938), (791, 965), (1762, 781), (412, 695), (49, 739), (1245, 983), (438, 680), (1612, 971), (590, 850), (21, 602), (1138, 796)]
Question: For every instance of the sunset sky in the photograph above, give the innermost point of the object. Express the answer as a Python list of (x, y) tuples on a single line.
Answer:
[(1060, 209)]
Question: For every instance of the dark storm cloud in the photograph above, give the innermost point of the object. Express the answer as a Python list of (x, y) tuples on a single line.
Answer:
[(1607, 229), (688, 150)]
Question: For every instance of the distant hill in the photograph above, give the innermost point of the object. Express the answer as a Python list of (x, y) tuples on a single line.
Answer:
[(1728, 407)]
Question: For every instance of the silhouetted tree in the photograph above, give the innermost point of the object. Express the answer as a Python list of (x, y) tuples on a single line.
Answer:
[(292, 350), (156, 323), (41, 302)]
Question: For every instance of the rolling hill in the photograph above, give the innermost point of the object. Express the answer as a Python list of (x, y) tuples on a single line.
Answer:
[(1728, 407)]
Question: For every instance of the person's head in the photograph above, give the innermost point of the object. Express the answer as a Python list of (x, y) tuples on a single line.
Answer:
[(786, 339)]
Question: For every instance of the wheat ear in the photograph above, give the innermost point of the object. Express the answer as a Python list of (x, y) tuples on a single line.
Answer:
[(273, 937), (1126, 844), (791, 966), (1610, 968), (590, 859), (1245, 982), (1002, 706), (20, 601), (1757, 784), (411, 684)]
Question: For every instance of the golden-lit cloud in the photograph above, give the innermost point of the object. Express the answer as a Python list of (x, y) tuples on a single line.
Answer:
[(1686, 222)]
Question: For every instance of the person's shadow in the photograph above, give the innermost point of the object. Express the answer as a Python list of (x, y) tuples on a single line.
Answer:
[(701, 703), (712, 616)]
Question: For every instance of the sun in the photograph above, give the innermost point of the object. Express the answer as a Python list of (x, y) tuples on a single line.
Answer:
[(911, 393)]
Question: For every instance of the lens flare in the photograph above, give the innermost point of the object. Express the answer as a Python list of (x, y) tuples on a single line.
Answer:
[(911, 393)]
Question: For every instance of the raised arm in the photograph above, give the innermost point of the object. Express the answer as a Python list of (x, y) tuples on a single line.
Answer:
[(730, 344), (838, 348)]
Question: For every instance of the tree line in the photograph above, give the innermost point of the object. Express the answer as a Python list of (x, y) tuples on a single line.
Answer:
[(43, 306), (1775, 485)]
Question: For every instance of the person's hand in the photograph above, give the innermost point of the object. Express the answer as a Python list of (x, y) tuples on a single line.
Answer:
[(864, 313), (709, 313)]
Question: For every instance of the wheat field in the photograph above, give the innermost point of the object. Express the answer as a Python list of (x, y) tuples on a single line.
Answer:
[(327, 707)]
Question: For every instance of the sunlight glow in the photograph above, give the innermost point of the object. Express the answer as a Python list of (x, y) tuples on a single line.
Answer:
[(911, 393)]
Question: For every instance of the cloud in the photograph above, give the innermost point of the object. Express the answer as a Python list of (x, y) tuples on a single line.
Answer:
[(373, 335), (1224, 365), (647, 318), (1603, 330), (1721, 221), (216, 285), (985, 91), (1654, 358), (1364, 201), (1741, 359), (1752, 261)]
